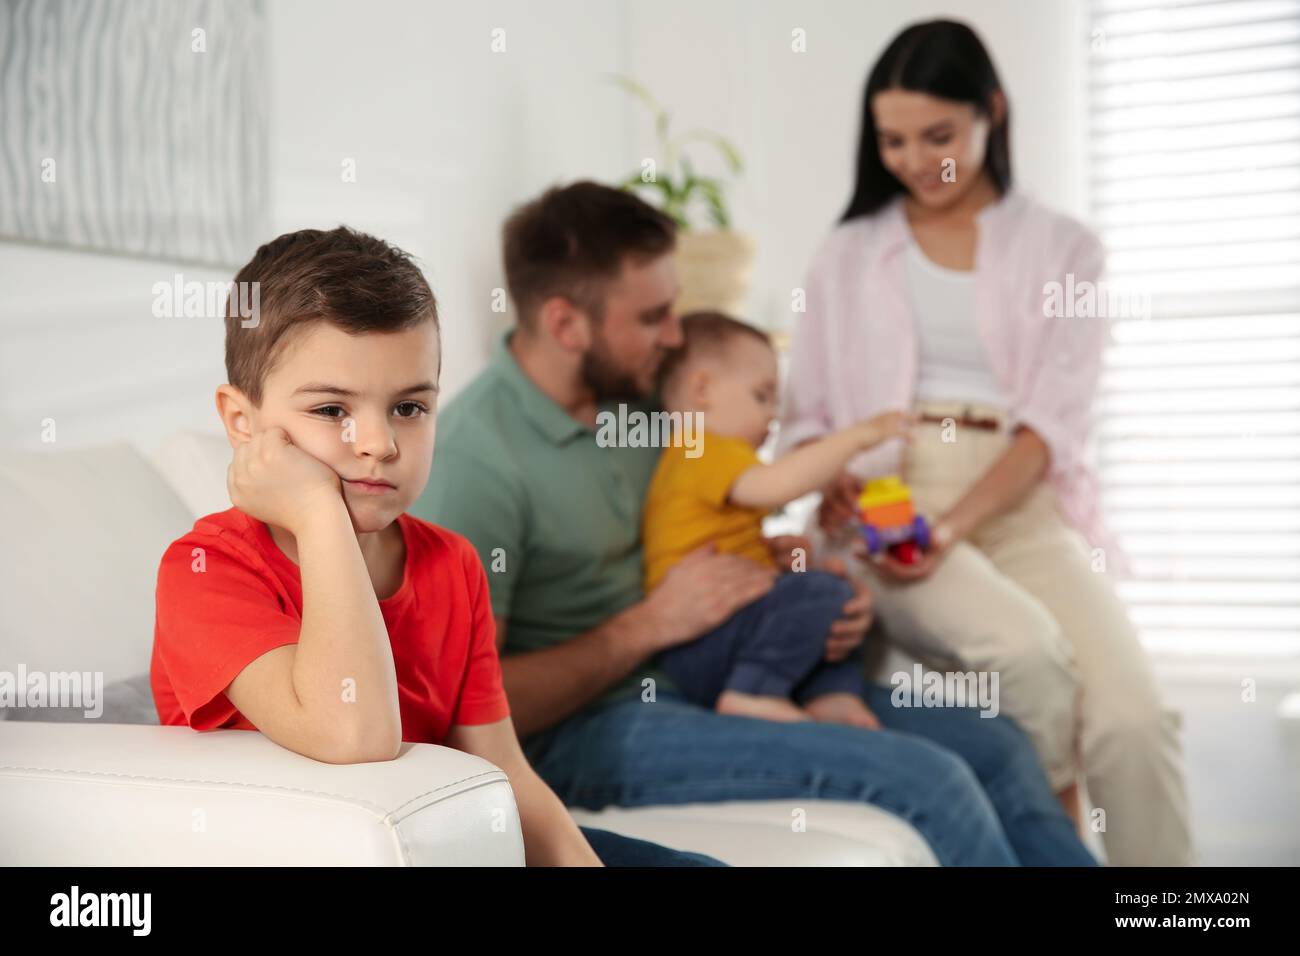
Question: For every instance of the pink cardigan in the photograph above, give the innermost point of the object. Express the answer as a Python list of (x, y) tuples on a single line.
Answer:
[(855, 351)]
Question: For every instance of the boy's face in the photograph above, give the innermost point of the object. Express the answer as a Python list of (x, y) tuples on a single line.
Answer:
[(736, 391), (365, 405)]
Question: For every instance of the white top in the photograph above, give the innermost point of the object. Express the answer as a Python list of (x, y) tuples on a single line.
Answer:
[(952, 365)]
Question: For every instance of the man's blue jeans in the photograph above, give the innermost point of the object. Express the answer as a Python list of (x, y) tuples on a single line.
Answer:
[(614, 849), (971, 785)]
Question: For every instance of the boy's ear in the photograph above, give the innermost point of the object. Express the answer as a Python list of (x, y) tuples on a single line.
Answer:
[(236, 414)]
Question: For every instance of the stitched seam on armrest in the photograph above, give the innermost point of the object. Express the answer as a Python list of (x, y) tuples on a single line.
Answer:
[(153, 778), (394, 823), (420, 796)]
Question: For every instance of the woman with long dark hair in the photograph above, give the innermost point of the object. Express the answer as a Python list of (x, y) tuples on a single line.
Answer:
[(935, 293)]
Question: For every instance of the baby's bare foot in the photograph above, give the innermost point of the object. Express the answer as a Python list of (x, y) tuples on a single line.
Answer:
[(738, 704), (842, 708)]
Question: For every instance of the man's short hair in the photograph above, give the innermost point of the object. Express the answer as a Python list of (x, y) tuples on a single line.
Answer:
[(347, 278), (571, 241), (705, 333)]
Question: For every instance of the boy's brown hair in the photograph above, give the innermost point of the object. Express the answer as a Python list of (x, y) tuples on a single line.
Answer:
[(572, 240), (705, 333), (347, 278)]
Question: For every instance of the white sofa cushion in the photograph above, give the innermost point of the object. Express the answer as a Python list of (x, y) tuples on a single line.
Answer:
[(194, 464), (763, 832), (84, 531)]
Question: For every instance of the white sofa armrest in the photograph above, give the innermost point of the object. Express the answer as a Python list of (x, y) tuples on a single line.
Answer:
[(119, 794)]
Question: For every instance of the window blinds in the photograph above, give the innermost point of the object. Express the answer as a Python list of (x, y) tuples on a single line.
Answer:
[(1194, 165)]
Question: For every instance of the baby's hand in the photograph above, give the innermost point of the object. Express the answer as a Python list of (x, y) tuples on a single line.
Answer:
[(886, 426), (273, 480)]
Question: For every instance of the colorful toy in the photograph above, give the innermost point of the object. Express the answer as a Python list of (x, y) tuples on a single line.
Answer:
[(889, 522)]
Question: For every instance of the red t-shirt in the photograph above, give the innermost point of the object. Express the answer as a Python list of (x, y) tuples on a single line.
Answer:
[(247, 600)]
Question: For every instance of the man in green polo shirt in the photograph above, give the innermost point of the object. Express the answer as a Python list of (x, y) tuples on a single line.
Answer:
[(555, 516), (554, 512)]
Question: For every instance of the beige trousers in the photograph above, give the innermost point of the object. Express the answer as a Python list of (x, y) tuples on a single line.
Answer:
[(1024, 597)]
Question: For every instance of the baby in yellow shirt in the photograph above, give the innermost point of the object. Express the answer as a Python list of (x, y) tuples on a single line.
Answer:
[(766, 660)]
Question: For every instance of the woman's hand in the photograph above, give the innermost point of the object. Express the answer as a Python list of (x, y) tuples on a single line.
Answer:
[(839, 503), (942, 538)]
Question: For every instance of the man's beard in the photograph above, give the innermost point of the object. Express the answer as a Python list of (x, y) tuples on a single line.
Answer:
[(606, 380)]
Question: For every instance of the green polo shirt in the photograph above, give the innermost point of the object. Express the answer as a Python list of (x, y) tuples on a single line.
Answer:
[(555, 518)]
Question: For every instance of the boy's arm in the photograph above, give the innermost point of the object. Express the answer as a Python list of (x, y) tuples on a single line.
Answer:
[(809, 467), (551, 838), (333, 695)]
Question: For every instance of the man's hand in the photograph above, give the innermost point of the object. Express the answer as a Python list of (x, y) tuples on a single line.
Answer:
[(839, 503), (274, 481), (855, 618), (784, 546), (701, 591)]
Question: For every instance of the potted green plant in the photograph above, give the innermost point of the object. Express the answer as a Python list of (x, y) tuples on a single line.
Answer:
[(713, 263)]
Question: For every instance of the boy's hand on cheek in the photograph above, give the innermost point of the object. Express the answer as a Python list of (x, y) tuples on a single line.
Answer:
[(274, 481)]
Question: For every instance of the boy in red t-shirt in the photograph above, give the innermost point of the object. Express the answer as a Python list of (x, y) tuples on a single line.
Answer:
[(316, 611)]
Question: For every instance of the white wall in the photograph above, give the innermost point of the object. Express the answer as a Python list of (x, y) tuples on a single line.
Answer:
[(795, 117), (448, 136)]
